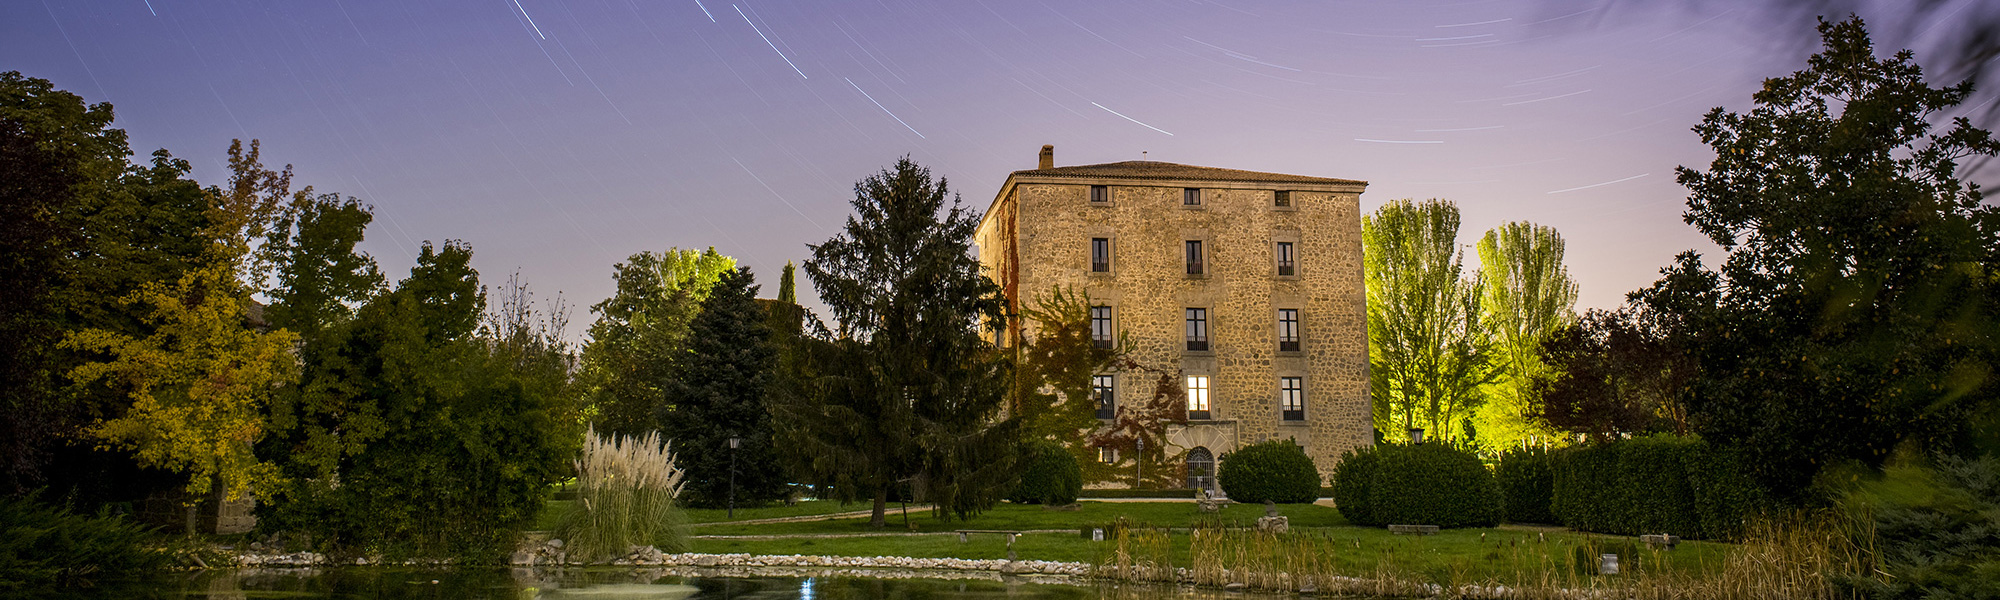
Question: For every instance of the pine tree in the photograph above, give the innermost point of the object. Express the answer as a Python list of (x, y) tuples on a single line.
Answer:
[(718, 392), (905, 389)]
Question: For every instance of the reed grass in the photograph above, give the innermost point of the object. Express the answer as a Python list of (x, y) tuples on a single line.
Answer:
[(1797, 558), (625, 498)]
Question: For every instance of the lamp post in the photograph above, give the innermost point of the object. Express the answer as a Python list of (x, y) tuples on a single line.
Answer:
[(1139, 463), (1416, 435), (734, 443)]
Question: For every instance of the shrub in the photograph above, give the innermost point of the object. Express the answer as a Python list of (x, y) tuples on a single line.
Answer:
[(1434, 484), (1653, 484), (625, 497), (1178, 493), (1932, 528), (1051, 478), (1352, 479), (41, 547), (1528, 483), (1275, 471)]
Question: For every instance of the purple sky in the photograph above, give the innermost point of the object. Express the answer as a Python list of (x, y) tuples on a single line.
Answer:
[(560, 136)]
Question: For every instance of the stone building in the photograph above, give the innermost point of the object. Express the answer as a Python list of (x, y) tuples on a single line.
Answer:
[(1249, 283)]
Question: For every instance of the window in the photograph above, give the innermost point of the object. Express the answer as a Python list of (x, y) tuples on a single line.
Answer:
[(1292, 398), (1100, 255), (1287, 261), (1197, 396), (1107, 455), (1197, 329), (1288, 330), (1101, 386), (1100, 194), (1191, 196), (1194, 266), (1284, 199), (1100, 327)]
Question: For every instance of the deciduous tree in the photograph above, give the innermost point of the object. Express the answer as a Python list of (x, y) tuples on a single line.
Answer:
[(1529, 295), (641, 330), (1428, 352)]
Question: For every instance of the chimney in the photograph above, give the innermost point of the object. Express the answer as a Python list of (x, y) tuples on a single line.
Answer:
[(1048, 157)]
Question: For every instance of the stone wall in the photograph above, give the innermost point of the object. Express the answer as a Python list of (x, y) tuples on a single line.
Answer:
[(1148, 287)]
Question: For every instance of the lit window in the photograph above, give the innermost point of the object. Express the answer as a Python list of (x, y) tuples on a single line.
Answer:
[(1102, 387), (1100, 326), (1191, 196), (1287, 261), (1107, 455), (1100, 255), (1100, 194), (1288, 330), (1194, 266), (1197, 396), (1197, 329), (1292, 398)]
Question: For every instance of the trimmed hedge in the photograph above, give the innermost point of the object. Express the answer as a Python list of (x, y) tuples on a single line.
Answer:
[(1051, 477), (1275, 471), (1527, 481), (1435, 484), (1425, 484), (1351, 481), (1654, 484)]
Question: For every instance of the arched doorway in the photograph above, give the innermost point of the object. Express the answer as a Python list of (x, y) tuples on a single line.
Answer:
[(1201, 469)]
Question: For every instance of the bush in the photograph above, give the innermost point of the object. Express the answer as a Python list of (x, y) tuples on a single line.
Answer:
[(1434, 484), (1177, 493), (1051, 478), (625, 498), (1352, 479), (1527, 481), (1654, 484), (44, 547), (1933, 528), (1274, 471)]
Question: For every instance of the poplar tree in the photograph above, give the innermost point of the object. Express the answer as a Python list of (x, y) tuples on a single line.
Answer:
[(904, 389), (1428, 354), (1529, 295)]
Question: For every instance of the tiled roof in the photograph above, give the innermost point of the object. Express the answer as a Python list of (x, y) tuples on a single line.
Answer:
[(1144, 169)]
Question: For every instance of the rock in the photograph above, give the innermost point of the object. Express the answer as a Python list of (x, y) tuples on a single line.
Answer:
[(521, 558), (1233, 586), (555, 543), (1274, 524)]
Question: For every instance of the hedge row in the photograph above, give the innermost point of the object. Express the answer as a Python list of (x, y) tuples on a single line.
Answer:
[(1181, 493), (1424, 484), (1655, 484), (1527, 481)]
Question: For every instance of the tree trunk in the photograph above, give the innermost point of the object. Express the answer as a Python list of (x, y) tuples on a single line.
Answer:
[(879, 518)]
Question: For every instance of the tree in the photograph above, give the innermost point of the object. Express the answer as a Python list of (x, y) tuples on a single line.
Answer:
[(906, 390), (1856, 309), (1428, 352), (1622, 372), (1529, 296), (788, 291), (640, 331), (453, 421), (718, 392), (199, 381)]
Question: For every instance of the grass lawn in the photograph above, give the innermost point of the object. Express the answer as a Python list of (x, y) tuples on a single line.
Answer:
[(1027, 517), (701, 516), (1507, 555)]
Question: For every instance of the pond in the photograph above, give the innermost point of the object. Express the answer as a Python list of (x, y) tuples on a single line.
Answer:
[(623, 584)]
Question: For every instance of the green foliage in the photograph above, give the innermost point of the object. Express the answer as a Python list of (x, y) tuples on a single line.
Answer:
[(1275, 471), (42, 547), (1529, 295), (1353, 482), (1654, 484), (718, 391), (1049, 477), (1433, 484), (1935, 528), (906, 388), (1857, 308), (641, 330), (1527, 481), (464, 427), (1618, 372), (1429, 353), (625, 497), (788, 288)]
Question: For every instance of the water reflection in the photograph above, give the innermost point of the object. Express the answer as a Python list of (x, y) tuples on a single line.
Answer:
[(628, 584)]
